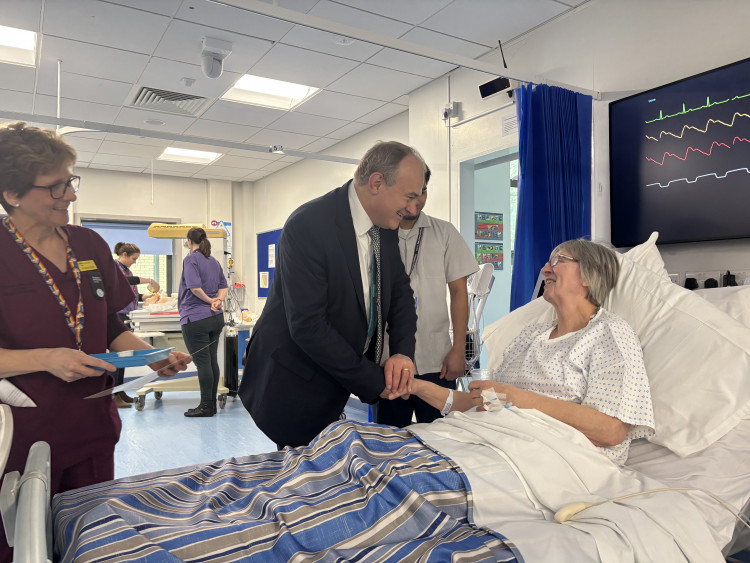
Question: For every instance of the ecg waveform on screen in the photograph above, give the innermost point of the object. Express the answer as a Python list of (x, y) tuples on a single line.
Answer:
[(693, 149), (708, 104), (713, 174), (705, 130)]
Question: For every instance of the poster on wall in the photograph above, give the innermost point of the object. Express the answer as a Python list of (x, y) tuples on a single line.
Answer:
[(268, 248), (488, 225), (489, 253), (227, 226)]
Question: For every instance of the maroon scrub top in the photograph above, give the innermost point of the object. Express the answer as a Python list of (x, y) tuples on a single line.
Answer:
[(76, 429)]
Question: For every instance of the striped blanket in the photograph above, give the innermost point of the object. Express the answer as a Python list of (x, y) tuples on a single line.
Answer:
[(359, 492)]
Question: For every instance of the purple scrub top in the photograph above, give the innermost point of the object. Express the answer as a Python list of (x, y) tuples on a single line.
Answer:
[(199, 272)]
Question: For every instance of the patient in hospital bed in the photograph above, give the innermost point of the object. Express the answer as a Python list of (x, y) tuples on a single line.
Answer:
[(483, 486)]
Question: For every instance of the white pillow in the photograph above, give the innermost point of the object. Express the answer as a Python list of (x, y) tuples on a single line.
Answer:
[(697, 357), (734, 301)]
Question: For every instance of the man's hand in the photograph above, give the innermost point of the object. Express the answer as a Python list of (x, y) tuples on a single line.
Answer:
[(399, 371), (453, 365), (177, 361)]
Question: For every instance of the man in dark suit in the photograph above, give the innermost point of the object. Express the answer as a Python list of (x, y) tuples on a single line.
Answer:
[(319, 337)]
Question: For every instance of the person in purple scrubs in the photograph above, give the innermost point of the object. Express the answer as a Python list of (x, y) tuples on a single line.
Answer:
[(60, 292), (127, 255), (203, 289)]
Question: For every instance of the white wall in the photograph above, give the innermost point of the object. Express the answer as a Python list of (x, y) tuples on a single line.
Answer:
[(269, 201), (127, 196)]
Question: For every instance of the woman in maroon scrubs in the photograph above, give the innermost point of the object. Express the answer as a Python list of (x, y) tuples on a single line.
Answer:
[(60, 292)]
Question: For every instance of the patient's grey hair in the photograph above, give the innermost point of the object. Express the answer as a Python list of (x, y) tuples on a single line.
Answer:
[(385, 157), (599, 266)]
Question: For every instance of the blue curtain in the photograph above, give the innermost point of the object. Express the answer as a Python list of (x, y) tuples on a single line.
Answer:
[(554, 180)]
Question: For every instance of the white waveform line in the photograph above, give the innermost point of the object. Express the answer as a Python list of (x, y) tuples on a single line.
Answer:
[(718, 177)]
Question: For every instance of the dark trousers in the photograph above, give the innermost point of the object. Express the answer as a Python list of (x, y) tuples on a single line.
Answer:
[(398, 412), (120, 373), (197, 335)]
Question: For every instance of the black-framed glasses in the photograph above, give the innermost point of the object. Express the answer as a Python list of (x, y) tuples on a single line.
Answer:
[(555, 258), (58, 191)]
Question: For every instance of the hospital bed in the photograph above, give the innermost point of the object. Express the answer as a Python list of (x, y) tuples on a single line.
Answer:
[(698, 360)]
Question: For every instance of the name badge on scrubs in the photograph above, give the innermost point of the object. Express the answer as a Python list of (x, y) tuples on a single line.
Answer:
[(97, 284), (86, 265)]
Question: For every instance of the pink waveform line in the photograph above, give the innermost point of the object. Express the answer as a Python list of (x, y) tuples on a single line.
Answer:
[(710, 150)]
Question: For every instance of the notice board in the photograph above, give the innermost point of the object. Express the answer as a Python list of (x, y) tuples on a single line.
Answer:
[(268, 252)]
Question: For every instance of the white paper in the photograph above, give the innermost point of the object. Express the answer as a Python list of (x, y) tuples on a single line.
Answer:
[(133, 384), (13, 396), (271, 255)]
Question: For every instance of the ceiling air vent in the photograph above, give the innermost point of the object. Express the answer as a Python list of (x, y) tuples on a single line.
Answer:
[(510, 125), (169, 102)]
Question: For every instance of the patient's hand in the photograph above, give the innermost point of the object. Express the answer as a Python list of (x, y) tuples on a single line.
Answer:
[(512, 394)]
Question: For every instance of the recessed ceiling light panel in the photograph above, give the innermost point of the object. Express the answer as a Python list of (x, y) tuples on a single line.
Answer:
[(188, 156), (266, 92), (17, 46)]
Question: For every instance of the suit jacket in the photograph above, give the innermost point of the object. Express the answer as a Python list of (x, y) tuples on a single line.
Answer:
[(305, 356)]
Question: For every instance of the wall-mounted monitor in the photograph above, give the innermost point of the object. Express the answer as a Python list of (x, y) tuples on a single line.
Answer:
[(680, 160)]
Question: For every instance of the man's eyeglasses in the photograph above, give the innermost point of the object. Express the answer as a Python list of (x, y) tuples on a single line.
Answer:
[(58, 191), (555, 258)]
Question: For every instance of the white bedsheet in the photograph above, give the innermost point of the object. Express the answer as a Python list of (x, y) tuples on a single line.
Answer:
[(723, 468), (556, 465)]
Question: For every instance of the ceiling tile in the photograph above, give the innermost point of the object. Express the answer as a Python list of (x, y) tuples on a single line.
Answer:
[(487, 21), (23, 15), (413, 11), (85, 88), (276, 166), (244, 114), (406, 62), (167, 166), (83, 157), (231, 171), (134, 139), (131, 149), (446, 43), (403, 100), (325, 42), (90, 60), (348, 130), (209, 173), (307, 124), (320, 145), (136, 169), (76, 109), (21, 102), (183, 42), (360, 19), (241, 21), (167, 75), (164, 7), (254, 154), (335, 104), (221, 130), (286, 140), (103, 23), (18, 78), (131, 117), (120, 160), (382, 113), (253, 176), (81, 144), (246, 162), (376, 82), (292, 64)]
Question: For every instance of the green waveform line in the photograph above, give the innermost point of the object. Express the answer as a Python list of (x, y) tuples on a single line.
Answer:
[(710, 121), (709, 104)]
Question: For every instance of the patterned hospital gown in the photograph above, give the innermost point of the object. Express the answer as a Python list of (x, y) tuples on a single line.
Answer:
[(600, 366)]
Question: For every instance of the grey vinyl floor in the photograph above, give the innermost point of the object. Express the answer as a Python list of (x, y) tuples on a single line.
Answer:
[(161, 437)]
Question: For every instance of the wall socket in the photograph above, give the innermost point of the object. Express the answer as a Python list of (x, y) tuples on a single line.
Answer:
[(701, 277)]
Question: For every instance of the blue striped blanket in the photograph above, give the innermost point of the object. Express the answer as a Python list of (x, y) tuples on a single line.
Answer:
[(359, 492)]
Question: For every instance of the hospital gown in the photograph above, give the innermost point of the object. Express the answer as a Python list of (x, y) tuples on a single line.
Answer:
[(600, 366)]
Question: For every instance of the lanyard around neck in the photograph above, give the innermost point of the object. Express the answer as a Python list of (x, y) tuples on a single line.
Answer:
[(416, 251), (75, 323)]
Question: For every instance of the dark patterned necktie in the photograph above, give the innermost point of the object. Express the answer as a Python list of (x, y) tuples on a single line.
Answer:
[(376, 320)]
